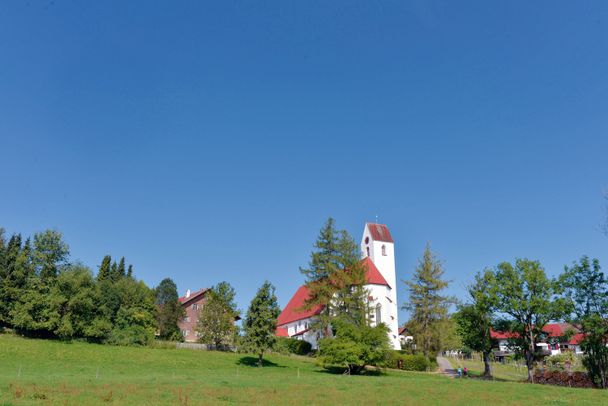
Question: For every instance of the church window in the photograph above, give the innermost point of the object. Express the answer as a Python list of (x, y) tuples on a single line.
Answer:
[(367, 248), (378, 314), (384, 250), (367, 240)]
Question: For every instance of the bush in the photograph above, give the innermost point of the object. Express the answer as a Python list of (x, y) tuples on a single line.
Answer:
[(286, 345), (558, 362), (409, 362)]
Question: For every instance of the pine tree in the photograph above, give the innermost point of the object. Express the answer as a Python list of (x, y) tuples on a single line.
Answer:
[(428, 308), (130, 272), (260, 321), (104, 268)]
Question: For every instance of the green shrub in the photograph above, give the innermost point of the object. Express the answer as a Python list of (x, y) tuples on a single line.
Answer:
[(286, 345), (410, 362), (558, 362)]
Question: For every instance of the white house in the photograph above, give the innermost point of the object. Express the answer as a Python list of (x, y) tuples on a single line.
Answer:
[(378, 257)]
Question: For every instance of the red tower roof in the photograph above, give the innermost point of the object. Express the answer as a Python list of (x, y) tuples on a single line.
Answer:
[(380, 232)]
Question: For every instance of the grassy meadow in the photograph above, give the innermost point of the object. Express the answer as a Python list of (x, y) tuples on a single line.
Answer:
[(58, 373)]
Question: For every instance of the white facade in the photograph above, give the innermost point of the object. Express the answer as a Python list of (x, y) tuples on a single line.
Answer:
[(382, 253)]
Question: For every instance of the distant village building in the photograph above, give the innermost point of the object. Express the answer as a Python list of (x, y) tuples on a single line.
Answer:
[(192, 303), (378, 258), (560, 337)]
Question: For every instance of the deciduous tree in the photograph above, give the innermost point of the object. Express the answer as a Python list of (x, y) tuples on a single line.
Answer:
[(586, 291), (474, 320), (168, 309), (528, 296)]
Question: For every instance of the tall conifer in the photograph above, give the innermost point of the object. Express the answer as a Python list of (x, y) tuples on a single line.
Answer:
[(427, 306)]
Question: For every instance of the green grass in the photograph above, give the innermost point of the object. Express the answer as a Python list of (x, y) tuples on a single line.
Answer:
[(56, 373), (505, 372)]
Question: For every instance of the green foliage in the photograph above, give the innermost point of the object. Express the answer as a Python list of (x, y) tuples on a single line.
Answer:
[(260, 321), (354, 347), (287, 345), (168, 310), (104, 269), (427, 306), (335, 278), (559, 361), (408, 362), (586, 292), (50, 253), (216, 319), (474, 320), (529, 298)]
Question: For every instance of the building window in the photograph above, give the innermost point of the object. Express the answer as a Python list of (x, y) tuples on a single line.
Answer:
[(367, 248), (378, 314), (384, 250), (195, 306)]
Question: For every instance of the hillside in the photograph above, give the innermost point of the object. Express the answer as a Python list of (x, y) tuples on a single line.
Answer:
[(48, 372)]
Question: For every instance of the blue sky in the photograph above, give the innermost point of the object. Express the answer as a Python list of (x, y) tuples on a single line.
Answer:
[(210, 142)]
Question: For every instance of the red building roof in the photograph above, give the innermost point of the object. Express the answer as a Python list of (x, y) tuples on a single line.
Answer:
[(194, 295), (502, 335), (379, 232), (294, 312), (552, 330), (372, 274), (281, 332)]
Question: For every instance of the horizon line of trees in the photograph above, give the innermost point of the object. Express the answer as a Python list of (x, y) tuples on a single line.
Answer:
[(44, 295)]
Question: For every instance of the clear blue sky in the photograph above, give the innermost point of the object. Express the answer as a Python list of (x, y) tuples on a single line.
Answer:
[(210, 142)]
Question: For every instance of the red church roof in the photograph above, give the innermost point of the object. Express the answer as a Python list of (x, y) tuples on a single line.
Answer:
[(281, 332), (380, 232), (293, 311), (372, 274)]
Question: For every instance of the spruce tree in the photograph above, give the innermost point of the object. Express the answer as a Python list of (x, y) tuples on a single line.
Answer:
[(427, 306), (260, 321), (114, 272), (121, 271), (130, 272), (335, 278), (104, 268)]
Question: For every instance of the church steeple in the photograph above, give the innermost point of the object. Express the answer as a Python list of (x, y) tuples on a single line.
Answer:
[(377, 244)]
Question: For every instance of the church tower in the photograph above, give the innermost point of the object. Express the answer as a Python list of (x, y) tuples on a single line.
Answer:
[(377, 244)]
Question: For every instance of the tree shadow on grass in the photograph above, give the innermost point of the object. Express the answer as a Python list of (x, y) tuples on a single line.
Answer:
[(342, 371), (253, 362)]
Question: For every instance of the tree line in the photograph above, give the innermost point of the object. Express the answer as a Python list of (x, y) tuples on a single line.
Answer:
[(43, 294)]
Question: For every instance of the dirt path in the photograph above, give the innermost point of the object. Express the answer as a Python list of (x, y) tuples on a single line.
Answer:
[(446, 368)]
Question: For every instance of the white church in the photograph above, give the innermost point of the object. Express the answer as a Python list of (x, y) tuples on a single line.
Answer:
[(378, 256)]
